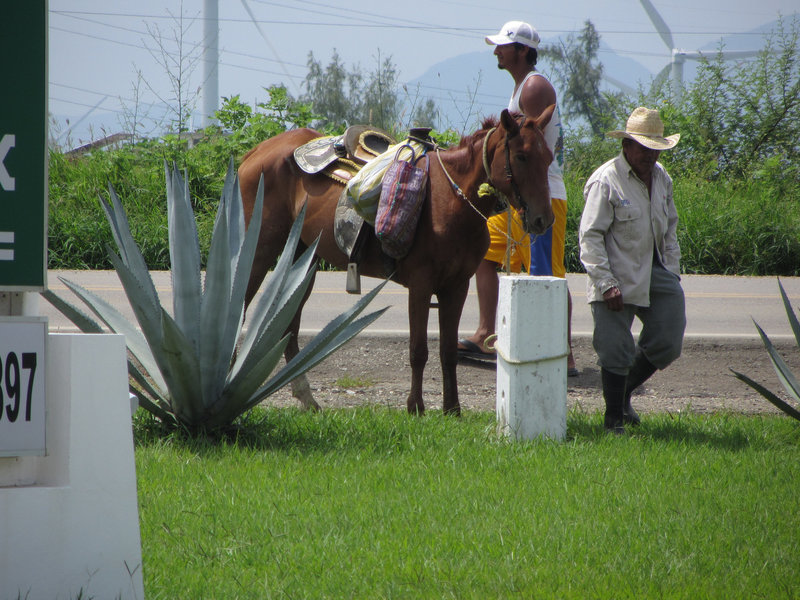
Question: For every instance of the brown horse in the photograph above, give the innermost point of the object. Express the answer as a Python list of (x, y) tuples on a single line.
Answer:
[(450, 241)]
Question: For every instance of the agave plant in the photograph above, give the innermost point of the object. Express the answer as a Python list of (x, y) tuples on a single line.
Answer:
[(187, 368), (785, 375)]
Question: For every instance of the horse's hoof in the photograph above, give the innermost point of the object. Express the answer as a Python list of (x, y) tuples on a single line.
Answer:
[(416, 409)]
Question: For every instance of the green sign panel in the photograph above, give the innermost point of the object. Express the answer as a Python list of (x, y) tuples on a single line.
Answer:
[(23, 146)]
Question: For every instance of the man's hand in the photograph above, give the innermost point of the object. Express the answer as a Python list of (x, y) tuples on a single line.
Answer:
[(613, 298)]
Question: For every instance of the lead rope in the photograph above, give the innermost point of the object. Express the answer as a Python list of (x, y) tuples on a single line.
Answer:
[(489, 189)]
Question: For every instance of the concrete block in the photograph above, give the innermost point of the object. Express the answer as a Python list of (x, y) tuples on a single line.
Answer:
[(532, 351), (70, 525), (532, 317), (532, 399)]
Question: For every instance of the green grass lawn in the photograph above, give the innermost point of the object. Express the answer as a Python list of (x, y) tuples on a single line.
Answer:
[(372, 503)]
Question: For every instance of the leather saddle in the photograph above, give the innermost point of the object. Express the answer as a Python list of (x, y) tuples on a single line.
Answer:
[(341, 156)]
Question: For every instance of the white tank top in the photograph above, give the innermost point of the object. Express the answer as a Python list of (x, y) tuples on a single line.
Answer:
[(553, 136)]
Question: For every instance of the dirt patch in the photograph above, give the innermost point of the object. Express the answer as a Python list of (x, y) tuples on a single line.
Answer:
[(699, 381)]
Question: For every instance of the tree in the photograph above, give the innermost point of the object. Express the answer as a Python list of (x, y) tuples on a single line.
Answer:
[(381, 105), (178, 60), (135, 115), (342, 96), (426, 114), (742, 121), (578, 73), (328, 90), (247, 126)]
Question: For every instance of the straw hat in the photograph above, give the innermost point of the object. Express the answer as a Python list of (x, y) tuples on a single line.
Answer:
[(645, 126)]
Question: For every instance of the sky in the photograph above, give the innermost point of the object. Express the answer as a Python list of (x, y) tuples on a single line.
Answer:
[(105, 55)]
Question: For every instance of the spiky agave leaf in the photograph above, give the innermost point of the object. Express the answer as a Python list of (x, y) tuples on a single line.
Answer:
[(769, 395), (335, 334), (244, 392), (216, 305), (184, 255), (229, 263), (790, 314), (113, 319), (235, 210), (242, 263), (249, 371), (286, 274), (128, 250), (84, 322), (154, 401), (782, 370), (271, 319)]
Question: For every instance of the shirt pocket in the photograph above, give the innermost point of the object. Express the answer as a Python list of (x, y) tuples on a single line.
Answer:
[(627, 214), (627, 222)]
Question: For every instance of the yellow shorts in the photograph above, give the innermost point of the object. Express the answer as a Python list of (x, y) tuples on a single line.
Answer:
[(547, 250), (519, 258)]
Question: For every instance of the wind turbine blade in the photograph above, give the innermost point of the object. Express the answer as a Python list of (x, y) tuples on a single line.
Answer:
[(710, 54), (736, 54), (661, 26), (697, 55), (624, 87), (662, 76)]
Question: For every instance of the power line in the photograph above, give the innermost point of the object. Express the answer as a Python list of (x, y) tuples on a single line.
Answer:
[(366, 20), (466, 30)]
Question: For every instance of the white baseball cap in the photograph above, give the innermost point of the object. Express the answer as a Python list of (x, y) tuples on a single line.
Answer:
[(515, 31)]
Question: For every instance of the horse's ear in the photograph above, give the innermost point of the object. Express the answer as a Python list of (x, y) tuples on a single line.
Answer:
[(509, 123), (543, 119)]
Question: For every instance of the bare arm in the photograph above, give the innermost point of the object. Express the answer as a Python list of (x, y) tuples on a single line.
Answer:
[(537, 94)]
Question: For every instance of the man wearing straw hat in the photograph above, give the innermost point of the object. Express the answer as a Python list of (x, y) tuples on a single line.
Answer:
[(629, 247)]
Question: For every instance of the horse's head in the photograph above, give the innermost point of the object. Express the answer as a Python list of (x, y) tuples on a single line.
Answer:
[(518, 168)]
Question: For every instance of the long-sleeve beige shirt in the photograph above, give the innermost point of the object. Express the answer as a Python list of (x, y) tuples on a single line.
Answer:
[(621, 226)]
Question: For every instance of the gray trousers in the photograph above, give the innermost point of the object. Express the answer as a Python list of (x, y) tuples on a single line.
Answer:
[(663, 325)]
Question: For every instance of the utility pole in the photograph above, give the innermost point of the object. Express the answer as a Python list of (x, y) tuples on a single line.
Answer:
[(210, 61)]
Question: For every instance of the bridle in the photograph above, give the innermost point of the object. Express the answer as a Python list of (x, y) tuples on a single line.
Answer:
[(508, 173), (489, 188)]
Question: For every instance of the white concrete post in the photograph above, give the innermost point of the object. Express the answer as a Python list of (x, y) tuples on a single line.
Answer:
[(69, 521), (532, 354)]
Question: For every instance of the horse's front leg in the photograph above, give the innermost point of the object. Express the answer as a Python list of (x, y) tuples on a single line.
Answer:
[(301, 389), (419, 306), (451, 303)]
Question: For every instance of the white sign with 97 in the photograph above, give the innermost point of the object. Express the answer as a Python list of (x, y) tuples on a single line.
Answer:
[(22, 382)]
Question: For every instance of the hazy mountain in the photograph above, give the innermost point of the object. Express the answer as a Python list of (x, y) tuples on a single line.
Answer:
[(469, 86)]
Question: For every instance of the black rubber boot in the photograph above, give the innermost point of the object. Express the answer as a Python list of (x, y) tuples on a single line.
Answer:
[(640, 372), (614, 395)]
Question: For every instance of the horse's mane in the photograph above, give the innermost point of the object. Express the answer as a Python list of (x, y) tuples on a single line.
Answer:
[(468, 141), (488, 123)]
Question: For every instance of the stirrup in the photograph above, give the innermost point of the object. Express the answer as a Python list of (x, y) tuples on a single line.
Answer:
[(353, 282)]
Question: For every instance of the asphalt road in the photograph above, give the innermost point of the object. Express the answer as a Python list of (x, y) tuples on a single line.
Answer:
[(717, 307)]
